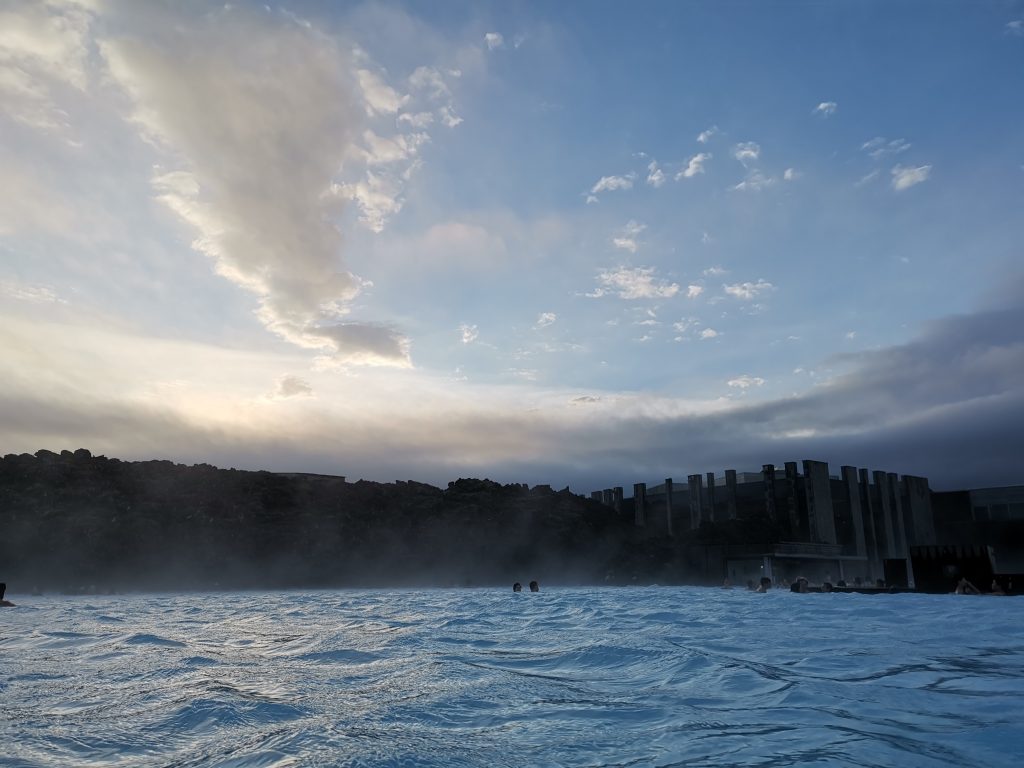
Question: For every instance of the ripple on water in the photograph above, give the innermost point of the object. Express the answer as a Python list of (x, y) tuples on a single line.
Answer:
[(642, 677)]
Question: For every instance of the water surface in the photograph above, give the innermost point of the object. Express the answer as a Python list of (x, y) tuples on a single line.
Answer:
[(566, 677)]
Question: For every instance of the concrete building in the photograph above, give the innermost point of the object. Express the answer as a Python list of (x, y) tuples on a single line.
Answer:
[(857, 524)]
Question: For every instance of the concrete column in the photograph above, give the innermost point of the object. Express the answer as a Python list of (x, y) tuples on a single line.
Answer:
[(899, 520), (668, 505), (617, 498), (853, 494), (730, 493), (919, 502), (711, 497), (820, 512), (871, 533), (792, 510), (639, 504), (885, 507), (694, 486), (768, 473)]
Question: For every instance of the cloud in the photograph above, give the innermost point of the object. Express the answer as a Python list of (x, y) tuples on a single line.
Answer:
[(851, 334), (380, 97), (655, 176), (633, 283), (694, 166), (627, 239), (826, 108), (748, 290), (290, 387), (709, 333), (494, 40), (33, 294), (791, 174), (612, 183), (745, 382), (714, 271), (44, 47), (255, 161), (693, 291), (1015, 27), (544, 319), (880, 146), (755, 182), (469, 333), (705, 136), (905, 178), (747, 151), (866, 178)]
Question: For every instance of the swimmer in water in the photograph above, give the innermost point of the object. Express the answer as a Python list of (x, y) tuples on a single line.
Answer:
[(4, 603), (534, 586), (517, 587)]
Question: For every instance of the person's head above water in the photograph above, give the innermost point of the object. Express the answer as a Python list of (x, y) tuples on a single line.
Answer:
[(517, 587), (534, 586)]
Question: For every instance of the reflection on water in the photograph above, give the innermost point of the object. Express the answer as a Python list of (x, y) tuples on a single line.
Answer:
[(656, 676)]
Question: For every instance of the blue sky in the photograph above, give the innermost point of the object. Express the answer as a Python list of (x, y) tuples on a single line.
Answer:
[(574, 243)]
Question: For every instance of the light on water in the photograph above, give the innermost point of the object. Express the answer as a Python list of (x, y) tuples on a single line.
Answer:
[(582, 677)]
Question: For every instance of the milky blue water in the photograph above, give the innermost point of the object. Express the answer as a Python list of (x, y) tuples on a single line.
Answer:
[(574, 677)]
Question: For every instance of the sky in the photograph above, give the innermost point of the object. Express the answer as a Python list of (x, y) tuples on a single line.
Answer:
[(584, 244)]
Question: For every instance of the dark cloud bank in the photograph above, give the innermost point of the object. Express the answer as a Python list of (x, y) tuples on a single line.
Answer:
[(948, 405)]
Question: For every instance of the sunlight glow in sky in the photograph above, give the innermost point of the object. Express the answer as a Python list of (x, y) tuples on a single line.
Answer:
[(569, 243)]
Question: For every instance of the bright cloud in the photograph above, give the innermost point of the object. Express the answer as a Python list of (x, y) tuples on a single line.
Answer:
[(791, 174), (907, 177), (655, 176), (612, 183), (494, 40), (747, 151), (826, 108), (709, 333), (694, 166), (693, 291), (633, 283), (748, 290), (469, 333), (705, 136), (257, 156), (745, 382)]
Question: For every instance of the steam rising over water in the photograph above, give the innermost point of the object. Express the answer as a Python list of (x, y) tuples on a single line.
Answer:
[(587, 677)]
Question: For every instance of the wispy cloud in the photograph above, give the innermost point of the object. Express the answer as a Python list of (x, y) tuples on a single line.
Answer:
[(494, 40), (694, 166), (693, 291), (633, 283), (826, 109), (755, 182), (705, 136), (1015, 27), (907, 177), (708, 333), (655, 176), (468, 333), (748, 290), (626, 239), (612, 183), (880, 146), (791, 174), (747, 151), (544, 319), (34, 294), (745, 382)]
